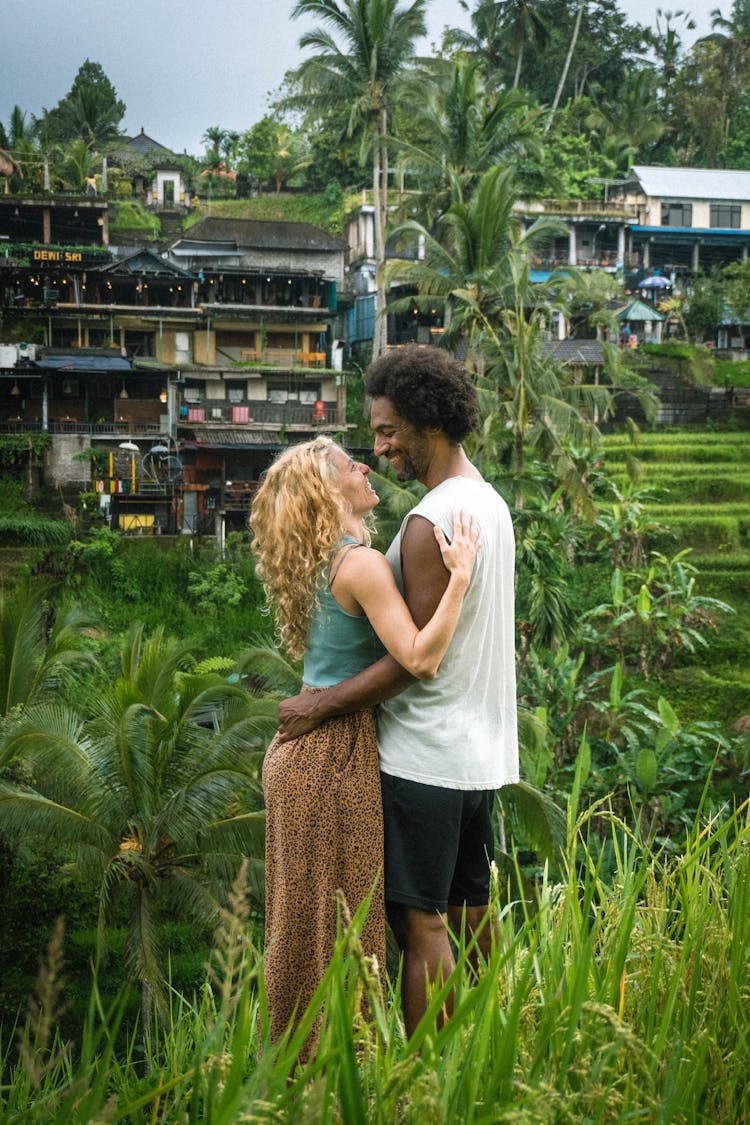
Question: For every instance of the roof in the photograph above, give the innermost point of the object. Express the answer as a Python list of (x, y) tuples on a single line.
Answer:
[(692, 183), (142, 143), (574, 351), (73, 361), (639, 310), (144, 262), (265, 234), (243, 439), (210, 248)]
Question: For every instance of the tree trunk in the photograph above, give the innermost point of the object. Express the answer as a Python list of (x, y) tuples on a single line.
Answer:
[(380, 206), (568, 60), (519, 61)]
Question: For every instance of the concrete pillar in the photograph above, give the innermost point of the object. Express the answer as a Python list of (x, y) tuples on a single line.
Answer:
[(647, 254), (620, 263), (572, 248), (46, 226), (696, 256)]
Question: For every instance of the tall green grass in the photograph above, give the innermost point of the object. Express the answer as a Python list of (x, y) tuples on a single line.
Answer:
[(620, 995)]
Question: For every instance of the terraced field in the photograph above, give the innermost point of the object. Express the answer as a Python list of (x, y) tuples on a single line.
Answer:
[(699, 494)]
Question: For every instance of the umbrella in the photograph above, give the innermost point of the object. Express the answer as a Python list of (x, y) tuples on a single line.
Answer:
[(655, 282)]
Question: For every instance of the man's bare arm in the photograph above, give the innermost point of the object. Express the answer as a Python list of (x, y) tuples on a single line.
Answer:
[(302, 713), (425, 579)]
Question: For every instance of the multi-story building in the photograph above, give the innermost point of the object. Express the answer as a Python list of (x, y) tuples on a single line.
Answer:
[(222, 346)]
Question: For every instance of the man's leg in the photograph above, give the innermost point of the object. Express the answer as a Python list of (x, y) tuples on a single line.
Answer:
[(474, 920), (422, 937)]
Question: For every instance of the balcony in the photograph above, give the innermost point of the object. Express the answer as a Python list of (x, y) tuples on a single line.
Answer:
[(259, 413)]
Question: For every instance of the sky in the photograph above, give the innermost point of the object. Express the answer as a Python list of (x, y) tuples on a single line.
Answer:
[(183, 67)]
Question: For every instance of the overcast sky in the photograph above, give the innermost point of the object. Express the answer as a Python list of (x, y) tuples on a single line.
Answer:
[(182, 67)]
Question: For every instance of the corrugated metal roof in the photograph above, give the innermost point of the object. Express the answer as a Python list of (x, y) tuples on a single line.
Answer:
[(574, 351), (693, 183), (235, 438), (83, 363)]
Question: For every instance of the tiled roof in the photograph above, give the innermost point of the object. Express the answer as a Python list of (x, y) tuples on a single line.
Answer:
[(142, 143)]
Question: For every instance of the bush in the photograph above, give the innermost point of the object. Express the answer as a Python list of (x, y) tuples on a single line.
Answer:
[(33, 531), (700, 531)]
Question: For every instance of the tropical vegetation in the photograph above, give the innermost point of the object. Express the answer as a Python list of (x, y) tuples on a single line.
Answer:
[(132, 730)]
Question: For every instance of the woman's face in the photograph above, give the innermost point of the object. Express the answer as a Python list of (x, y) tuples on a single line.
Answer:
[(355, 487)]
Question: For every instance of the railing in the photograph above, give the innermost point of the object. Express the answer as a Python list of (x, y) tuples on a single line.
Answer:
[(73, 426), (592, 207), (250, 414), (259, 413)]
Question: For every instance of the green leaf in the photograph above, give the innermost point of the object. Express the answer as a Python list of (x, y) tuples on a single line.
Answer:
[(667, 715), (646, 770), (643, 606), (617, 589)]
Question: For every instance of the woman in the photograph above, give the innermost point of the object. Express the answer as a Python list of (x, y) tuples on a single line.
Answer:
[(337, 604)]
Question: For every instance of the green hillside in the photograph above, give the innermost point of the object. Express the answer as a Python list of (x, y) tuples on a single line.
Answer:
[(696, 488)]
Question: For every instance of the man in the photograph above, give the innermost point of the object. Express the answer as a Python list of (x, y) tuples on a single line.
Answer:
[(445, 744)]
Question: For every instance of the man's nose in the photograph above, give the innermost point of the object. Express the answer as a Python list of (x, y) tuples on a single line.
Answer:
[(379, 445)]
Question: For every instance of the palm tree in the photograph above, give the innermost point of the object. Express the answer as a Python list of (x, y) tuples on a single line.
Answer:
[(37, 651), (214, 137), (629, 123), (477, 267), (359, 63), (465, 268), (73, 164), (485, 43), (568, 60), (523, 24), (537, 407), (155, 794), (466, 130)]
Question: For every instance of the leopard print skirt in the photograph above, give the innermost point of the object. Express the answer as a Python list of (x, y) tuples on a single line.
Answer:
[(324, 832)]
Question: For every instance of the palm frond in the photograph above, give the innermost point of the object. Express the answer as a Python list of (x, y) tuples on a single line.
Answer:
[(534, 817)]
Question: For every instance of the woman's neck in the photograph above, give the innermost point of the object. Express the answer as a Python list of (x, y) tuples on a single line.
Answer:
[(355, 528)]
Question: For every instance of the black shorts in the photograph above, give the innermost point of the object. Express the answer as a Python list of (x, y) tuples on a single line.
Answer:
[(438, 844)]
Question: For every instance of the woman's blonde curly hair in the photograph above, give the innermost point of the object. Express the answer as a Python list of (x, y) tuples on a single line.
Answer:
[(297, 519)]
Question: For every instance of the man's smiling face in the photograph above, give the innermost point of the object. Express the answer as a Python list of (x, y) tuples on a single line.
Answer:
[(407, 448)]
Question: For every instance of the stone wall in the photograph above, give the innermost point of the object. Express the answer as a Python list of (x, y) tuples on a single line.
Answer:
[(59, 464)]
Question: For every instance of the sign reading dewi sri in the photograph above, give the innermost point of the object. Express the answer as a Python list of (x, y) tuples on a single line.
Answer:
[(61, 256)]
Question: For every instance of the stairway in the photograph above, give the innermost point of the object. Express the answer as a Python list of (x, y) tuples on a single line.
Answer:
[(171, 225)]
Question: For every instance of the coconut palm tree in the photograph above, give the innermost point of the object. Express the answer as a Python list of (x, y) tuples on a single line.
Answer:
[(466, 129), (154, 795), (477, 267), (214, 137), (359, 62), (568, 60), (465, 267), (485, 42), (37, 649)]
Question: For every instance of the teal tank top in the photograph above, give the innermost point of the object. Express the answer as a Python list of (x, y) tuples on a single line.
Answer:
[(338, 644)]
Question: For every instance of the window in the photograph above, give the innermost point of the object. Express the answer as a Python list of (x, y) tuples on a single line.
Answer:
[(676, 214), (194, 392), (726, 215), (236, 390)]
